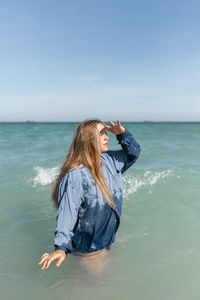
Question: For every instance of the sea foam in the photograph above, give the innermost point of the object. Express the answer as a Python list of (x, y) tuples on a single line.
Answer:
[(149, 178), (44, 176)]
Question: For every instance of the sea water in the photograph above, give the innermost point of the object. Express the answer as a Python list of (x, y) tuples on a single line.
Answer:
[(156, 254)]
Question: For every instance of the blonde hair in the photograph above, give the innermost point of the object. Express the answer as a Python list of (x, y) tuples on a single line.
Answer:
[(85, 149)]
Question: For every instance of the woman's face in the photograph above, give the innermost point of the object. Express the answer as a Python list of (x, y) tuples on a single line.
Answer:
[(103, 138)]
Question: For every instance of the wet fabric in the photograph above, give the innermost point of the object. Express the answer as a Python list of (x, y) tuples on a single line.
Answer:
[(85, 223)]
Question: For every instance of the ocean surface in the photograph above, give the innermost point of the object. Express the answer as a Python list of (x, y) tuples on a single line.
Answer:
[(156, 254)]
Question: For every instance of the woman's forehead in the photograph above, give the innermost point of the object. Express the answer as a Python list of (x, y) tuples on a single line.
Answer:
[(100, 127)]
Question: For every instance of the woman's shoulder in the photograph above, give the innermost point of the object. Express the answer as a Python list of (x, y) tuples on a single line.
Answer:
[(75, 174)]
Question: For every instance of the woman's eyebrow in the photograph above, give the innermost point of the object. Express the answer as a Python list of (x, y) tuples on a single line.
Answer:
[(103, 129)]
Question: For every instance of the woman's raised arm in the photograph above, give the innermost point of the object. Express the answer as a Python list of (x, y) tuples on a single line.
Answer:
[(125, 158)]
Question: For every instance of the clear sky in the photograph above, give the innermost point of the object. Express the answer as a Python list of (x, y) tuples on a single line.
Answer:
[(113, 59)]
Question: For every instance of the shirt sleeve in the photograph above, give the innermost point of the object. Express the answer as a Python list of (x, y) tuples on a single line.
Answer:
[(69, 201), (130, 152)]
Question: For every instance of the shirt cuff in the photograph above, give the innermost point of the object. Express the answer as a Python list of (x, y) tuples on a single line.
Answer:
[(121, 136)]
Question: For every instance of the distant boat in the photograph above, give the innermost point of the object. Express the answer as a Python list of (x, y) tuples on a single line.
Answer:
[(147, 121), (30, 121)]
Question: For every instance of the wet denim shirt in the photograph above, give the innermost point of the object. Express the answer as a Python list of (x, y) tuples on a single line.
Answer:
[(85, 223)]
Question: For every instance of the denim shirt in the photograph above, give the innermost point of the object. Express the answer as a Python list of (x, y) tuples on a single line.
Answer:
[(85, 223)]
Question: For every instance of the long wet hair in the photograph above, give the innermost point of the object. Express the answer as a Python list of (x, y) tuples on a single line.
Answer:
[(85, 149)]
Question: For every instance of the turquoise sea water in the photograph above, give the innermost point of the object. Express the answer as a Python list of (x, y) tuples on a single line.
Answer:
[(156, 255)]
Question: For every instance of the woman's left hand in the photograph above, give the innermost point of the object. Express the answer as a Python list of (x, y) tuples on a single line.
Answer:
[(115, 128), (47, 258)]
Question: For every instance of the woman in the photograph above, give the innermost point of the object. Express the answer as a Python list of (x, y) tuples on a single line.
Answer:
[(88, 191)]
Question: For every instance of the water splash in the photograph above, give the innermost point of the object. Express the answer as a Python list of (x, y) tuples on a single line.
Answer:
[(44, 176), (149, 178)]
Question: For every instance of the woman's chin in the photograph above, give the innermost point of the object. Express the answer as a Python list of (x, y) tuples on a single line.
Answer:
[(105, 148)]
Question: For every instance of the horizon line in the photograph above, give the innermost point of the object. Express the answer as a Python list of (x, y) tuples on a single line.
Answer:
[(121, 121)]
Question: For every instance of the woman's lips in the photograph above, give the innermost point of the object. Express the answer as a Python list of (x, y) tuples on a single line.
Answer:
[(106, 144)]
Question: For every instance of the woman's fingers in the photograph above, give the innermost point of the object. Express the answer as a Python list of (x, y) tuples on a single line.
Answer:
[(52, 259), (44, 264), (44, 254), (111, 123), (118, 122), (110, 127), (42, 260), (115, 128), (43, 257), (60, 261), (48, 258)]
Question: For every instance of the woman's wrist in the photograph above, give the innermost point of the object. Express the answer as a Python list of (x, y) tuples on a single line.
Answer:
[(122, 131)]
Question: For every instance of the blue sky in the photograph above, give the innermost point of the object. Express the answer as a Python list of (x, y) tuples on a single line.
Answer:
[(127, 60)]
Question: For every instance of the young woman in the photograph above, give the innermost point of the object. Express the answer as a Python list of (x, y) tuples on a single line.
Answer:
[(88, 191)]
